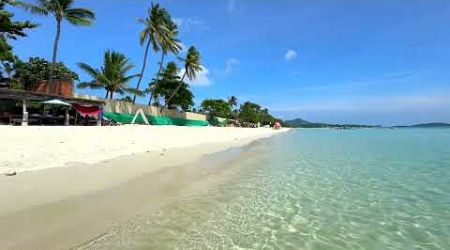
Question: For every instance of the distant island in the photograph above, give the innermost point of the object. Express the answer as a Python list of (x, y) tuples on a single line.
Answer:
[(426, 125), (300, 123)]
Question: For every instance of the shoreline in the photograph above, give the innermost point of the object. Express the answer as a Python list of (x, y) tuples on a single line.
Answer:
[(43, 147), (66, 200)]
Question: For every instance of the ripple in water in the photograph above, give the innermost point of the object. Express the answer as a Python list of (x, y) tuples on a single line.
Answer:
[(308, 189)]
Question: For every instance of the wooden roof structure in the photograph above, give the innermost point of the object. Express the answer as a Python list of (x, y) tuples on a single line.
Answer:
[(14, 94)]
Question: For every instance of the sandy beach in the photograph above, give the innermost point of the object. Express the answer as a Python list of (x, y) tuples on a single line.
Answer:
[(68, 176), (36, 147)]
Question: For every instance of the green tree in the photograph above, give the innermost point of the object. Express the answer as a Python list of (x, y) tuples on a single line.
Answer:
[(38, 69), (216, 108), (9, 29), (191, 67), (232, 100), (266, 118), (153, 33), (168, 83), (61, 10), (169, 44), (112, 76), (250, 112)]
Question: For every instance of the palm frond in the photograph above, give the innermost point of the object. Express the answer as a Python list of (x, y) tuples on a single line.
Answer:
[(89, 70), (34, 9), (134, 91), (128, 78), (79, 16), (92, 85)]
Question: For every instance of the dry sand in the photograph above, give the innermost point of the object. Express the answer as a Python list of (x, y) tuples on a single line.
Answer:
[(38, 147), (70, 200)]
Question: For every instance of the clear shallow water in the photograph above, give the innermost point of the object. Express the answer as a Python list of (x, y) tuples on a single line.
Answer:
[(307, 189)]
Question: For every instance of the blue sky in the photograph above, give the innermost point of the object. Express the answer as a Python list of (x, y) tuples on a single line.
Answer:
[(373, 62)]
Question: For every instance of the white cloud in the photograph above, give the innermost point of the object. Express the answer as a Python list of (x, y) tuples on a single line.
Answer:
[(290, 55), (202, 79), (190, 24), (231, 65)]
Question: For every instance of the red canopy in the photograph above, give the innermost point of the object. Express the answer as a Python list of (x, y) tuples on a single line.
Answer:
[(87, 110)]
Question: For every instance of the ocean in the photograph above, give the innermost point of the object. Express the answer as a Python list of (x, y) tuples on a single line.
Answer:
[(305, 189)]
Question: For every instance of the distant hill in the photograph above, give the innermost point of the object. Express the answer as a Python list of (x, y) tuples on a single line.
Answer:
[(427, 125), (300, 123)]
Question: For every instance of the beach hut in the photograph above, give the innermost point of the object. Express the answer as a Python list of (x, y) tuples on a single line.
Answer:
[(10, 99)]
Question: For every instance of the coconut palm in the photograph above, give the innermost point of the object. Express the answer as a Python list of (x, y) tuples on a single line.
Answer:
[(232, 101), (169, 44), (152, 34), (112, 76), (191, 67), (61, 10)]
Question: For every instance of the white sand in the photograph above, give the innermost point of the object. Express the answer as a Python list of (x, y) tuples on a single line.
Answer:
[(37, 147), (69, 201)]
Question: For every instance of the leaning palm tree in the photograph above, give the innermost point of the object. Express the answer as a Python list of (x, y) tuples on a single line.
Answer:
[(112, 76), (61, 10), (191, 67), (155, 27), (169, 44)]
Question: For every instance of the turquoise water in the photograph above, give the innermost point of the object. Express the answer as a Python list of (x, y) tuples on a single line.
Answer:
[(307, 189)]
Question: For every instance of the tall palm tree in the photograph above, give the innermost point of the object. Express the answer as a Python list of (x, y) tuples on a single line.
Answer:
[(191, 67), (112, 76), (152, 34), (169, 44), (61, 10)]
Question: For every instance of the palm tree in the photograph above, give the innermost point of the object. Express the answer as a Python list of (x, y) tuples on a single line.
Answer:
[(112, 76), (191, 67), (153, 32), (169, 43), (61, 10), (232, 100)]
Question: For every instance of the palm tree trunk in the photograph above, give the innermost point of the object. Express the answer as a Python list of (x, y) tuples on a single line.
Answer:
[(144, 63), (157, 77), (111, 94), (174, 93), (50, 84), (107, 93)]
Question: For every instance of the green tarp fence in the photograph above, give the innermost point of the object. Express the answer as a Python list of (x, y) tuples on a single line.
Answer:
[(154, 120), (216, 122)]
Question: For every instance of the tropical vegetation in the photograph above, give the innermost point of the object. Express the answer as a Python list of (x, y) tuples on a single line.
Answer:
[(113, 76), (216, 107), (191, 67), (169, 82), (10, 29), (37, 69), (160, 32), (254, 113), (61, 10), (169, 44), (170, 86)]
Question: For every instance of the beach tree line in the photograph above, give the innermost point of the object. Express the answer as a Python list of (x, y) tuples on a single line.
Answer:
[(159, 34), (247, 112)]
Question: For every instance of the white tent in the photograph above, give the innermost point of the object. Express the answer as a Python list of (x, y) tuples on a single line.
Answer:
[(60, 103), (56, 102)]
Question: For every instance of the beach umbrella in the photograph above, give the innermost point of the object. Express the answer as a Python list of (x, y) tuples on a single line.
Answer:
[(56, 102)]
